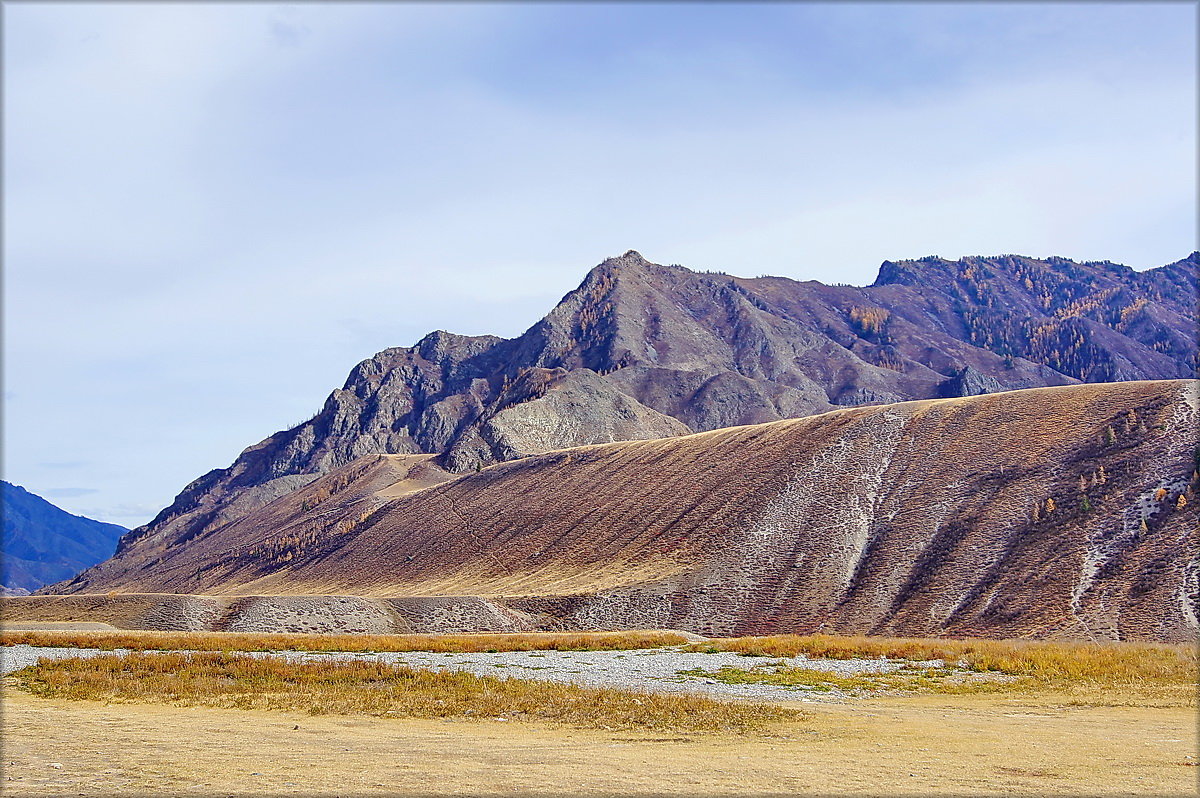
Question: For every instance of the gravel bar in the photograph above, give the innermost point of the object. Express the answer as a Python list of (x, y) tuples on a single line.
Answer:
[(655, 669)]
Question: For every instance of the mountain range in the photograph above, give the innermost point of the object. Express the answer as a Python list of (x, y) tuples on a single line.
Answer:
[(43, 543), (647, 352), (1067, 511), (643, 351)]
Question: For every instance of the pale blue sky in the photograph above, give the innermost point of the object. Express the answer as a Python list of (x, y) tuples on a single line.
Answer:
[(214, 211)]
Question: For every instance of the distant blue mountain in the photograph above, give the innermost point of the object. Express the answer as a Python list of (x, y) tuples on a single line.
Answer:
[(43, 544)]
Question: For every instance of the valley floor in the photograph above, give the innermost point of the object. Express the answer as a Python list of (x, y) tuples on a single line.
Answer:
[(914, 745)]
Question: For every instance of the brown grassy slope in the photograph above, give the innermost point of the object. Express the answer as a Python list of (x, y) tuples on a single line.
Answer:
[(641, 350), (1044, 512), (318, 514)]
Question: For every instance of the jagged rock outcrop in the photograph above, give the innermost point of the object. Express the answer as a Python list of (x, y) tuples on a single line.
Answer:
[(642, 350), (969, 382), (1067, 511), (553, 409)]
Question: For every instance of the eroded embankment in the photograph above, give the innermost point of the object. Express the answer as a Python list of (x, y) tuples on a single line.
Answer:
[(326, 614)]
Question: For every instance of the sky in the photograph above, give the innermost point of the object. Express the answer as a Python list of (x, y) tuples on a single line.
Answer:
[(213, 211)]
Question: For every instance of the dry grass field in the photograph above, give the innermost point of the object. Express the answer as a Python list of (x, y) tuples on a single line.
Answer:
[(890, 746), (1070, 719), (237, 641), (370, 688), (1041, 663), (1045, 663)]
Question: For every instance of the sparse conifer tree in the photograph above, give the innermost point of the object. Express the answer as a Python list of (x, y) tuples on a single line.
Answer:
[(1181, 502), (1049, 506)]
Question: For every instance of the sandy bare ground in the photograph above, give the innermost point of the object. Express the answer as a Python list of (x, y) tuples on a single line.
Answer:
[(959, 745)]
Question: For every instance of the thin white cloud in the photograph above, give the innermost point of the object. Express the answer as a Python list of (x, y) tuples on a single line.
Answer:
[(127, 515), (69, 493)]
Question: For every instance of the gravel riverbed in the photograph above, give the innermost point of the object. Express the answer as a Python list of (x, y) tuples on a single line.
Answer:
[(656, 669)]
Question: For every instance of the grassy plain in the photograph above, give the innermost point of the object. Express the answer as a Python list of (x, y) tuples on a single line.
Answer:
[(1071, 719), (240, 681), (1006, 744)]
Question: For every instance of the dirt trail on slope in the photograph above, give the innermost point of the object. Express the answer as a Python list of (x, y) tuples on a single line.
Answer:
[(958, 745)]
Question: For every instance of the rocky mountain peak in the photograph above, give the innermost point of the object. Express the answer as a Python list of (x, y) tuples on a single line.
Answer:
[(640, 350), (439, 345), (631, 258), (609, 270)]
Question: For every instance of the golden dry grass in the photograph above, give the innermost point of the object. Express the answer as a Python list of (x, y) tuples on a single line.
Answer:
[(982, 745), (237, 641), (372, 688), (1039, 663)]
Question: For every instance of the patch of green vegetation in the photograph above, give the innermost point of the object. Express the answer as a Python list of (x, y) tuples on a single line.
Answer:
[(908, 679)]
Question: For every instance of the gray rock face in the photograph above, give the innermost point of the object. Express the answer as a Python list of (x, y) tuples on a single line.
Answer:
[(564, 409), (641, 350), (969, 382)]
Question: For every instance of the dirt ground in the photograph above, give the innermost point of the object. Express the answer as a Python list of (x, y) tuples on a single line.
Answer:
[(956, 745)]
